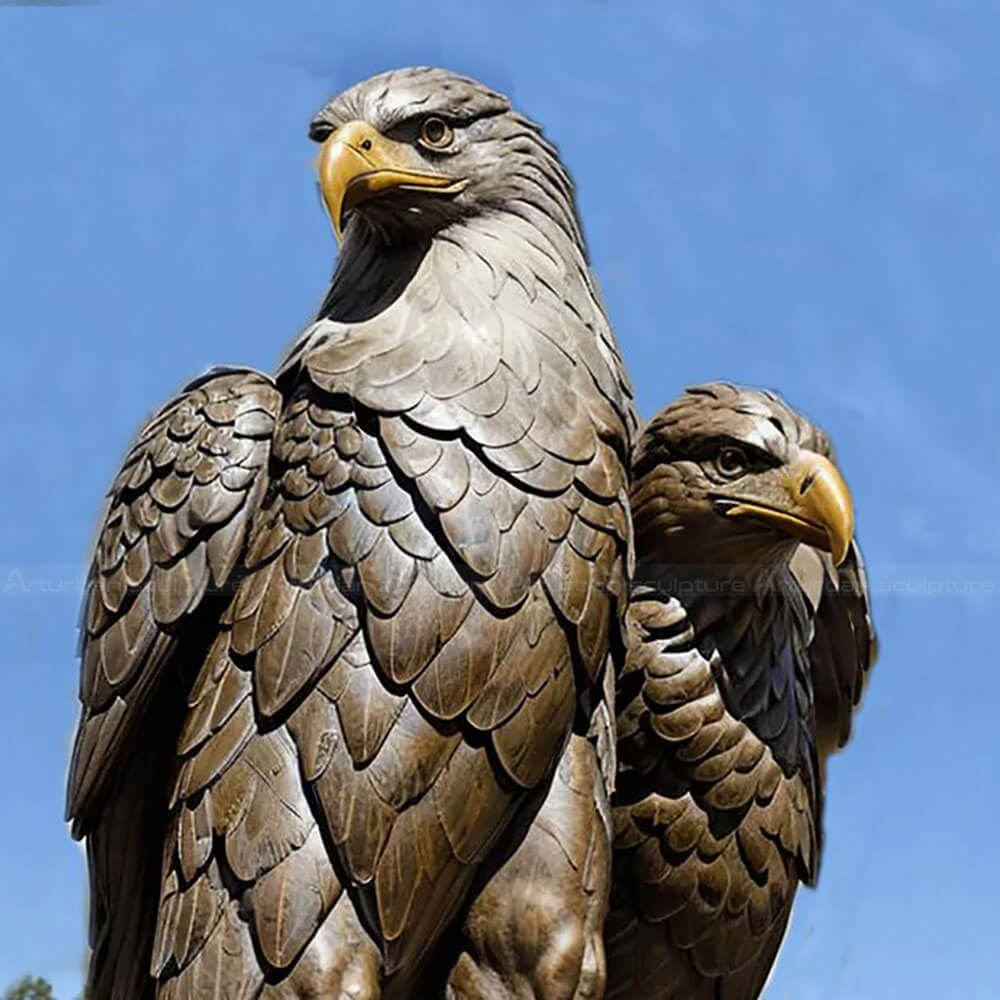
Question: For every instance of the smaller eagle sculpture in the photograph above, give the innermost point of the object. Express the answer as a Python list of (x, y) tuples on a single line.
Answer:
[(749, 643)]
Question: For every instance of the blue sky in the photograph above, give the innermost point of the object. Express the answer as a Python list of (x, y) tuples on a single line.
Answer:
[(804, 199)]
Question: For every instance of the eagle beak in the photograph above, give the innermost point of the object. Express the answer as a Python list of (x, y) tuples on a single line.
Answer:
[(819, 508), (357, 162)]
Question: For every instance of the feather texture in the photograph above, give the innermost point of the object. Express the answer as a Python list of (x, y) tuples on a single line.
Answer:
[(746, 657), (413, 610)]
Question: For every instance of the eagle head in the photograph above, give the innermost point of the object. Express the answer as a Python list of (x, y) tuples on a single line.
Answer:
[(732, 477), (412, 151)]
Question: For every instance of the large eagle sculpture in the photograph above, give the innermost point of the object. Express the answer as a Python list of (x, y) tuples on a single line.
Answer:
[(346, 628), (749, 643)]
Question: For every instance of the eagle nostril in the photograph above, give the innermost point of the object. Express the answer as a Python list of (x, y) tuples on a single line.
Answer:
[(367, 144), (806, 483)]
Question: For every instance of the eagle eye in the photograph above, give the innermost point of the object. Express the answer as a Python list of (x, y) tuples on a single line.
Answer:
[(731, 461), (436, 133)]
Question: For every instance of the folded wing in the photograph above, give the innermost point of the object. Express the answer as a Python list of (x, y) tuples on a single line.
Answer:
[(172, 533)]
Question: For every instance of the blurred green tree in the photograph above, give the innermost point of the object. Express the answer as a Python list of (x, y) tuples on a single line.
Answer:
[(29, 988)]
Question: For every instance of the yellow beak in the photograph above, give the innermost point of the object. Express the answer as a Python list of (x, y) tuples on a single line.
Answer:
[(820, 510), (357, 162)]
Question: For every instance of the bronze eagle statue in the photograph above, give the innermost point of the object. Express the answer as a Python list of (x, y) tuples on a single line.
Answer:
[(750, 639), (346, 628)]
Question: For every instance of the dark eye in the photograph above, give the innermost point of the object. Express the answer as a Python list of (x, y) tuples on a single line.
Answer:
[(436, 133), (320, 130), (731, 461)]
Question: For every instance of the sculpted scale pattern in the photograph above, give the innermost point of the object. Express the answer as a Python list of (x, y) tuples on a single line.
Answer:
[(742, 675), (381, 587)]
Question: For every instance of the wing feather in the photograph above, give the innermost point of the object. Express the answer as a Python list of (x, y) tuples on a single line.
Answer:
[(171, 535), (844, 646), (711, 836), (143, 580)]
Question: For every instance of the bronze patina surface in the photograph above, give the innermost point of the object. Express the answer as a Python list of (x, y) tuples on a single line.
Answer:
[(747, 654), (346, 629)]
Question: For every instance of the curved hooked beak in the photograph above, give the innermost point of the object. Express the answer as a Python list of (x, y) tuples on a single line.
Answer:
[(819, 510), (357, 162)]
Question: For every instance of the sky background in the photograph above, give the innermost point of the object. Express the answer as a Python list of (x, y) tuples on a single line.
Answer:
[(802, 196)]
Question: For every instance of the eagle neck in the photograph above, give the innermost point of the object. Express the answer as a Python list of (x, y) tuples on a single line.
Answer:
[(755, 629), (533, 248), (370, 274)]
